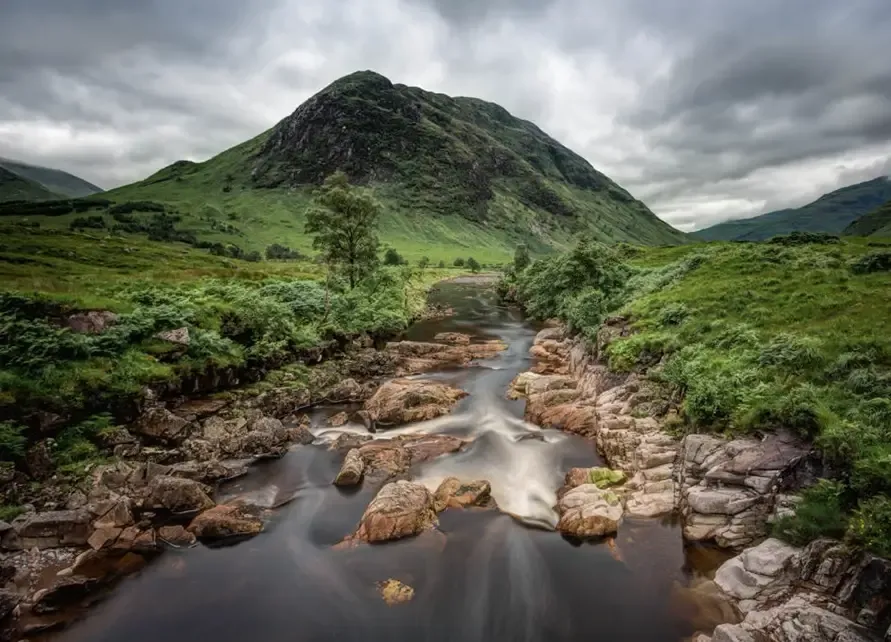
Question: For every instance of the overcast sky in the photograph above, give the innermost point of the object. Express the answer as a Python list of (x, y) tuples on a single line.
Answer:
[(705, 109)]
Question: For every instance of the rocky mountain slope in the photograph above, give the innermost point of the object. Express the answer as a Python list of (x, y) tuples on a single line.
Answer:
[(832, 213), (57, 183), (451, 172), (876, 223)]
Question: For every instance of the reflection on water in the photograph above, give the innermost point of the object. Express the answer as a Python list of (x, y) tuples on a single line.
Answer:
[(484, 576)]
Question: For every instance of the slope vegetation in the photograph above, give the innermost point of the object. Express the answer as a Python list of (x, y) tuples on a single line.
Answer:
[(15, 188), (876, 223), (832, 213)]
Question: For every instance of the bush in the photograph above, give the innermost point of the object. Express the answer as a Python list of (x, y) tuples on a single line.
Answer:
[(473, 265), (805, 238), (253, 257), (423, 262), (790, 352), (875, 262), (441, 264), (136, 206), (12, 441), (88, 222), (819, 514), (459, 262), (277, 252), (870, 526), (392, 257)]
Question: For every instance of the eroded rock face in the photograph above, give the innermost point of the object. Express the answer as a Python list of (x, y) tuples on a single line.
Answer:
[(825, 592), (225, 521), (401, 509), (352, 470), (728, 489), (53, 529), (405, 401), (589, 511), (453, 493)]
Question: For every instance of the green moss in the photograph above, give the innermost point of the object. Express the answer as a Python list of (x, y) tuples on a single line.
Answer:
[(9, 513), (604, 477)]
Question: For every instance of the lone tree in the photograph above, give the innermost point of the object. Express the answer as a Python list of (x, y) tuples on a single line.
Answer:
[(459, 262), (521, 258), (392, 257), (473, 265), (424, 262), (344, 225)]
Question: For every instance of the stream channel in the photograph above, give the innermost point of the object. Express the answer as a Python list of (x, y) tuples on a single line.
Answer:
[(494, 575)]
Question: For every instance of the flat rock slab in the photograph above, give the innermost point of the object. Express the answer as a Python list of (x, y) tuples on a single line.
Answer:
[(403, 401)]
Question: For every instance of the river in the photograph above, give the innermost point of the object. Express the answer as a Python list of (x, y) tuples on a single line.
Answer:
[(491, 576)]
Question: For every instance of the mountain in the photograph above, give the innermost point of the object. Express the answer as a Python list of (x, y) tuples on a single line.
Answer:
[(15, 188), (832, 213), (61, 184), (876, 223), (452, 173)]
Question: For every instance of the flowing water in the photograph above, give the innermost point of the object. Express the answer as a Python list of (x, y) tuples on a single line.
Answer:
[(489, 576)]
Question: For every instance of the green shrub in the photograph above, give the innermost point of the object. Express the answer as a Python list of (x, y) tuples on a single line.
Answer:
[(12, 441), (790, 352), (459, 262), (392, 257), (136, 206), (282, 253), (820, 513), (85, 222), (875, 262), (870, 526), (805, 238)]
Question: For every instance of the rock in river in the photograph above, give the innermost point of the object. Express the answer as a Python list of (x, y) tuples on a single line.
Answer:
[(400, 509), (403, 401), (589, 511), (227, 520), (453, 493), (394, 592), (178, 495), (351, 472)]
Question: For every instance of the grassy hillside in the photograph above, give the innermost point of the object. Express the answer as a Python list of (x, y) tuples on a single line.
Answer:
[(456, 176), (876, 223), (831, 213), (15, 188), (756, 337)]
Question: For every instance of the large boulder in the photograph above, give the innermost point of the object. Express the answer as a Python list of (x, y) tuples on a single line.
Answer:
[(453, 493), (757, 573), (403, 401), (352, 470), (401, 509), (389, 458), (589, 511), (178, 495), (225, 521), (452, 338), (53, 529)]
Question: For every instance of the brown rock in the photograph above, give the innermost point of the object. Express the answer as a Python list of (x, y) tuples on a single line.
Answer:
[(92, 322), (39, 461), (179, 336), (408, 400), (452, 338), (453, 493), (401, 509), (351, 472), (63, 593), (388, 458), (348, 390), (588, 511), (347, 441), (340, 419), (104, 537), (178, 495), (227, 520), (176, 536)]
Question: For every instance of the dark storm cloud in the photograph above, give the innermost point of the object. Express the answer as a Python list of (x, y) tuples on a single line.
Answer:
[(707, 109)]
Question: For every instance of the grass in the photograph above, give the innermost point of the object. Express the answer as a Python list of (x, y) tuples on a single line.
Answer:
[(755, 337)]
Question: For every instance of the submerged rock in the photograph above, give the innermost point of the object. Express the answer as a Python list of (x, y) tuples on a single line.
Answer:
[(453, 493), (394, 592), (401, 509), (352, 469), (176, 536), (589, 511), (405, 401)]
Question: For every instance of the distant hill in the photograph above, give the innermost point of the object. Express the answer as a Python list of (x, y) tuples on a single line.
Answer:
[(876, 223), (61, 184), (16, 188), (832, 213), (456, 175)]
